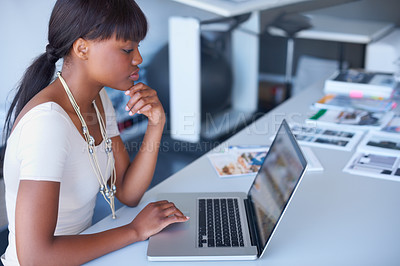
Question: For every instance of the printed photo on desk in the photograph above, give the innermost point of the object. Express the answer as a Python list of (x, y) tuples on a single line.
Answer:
[(345, 102), (378, 155), (357, 119), (238, 160), (374, 165), (380, 142), (326, 137)]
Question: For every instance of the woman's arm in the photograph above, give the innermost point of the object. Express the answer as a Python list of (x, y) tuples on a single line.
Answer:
[(134, 178), (36, 219)]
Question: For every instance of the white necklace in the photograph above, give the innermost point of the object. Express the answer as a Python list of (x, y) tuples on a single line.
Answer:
[(108, 193)]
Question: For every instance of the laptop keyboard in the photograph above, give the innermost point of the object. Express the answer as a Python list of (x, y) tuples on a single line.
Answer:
[(219, 223)]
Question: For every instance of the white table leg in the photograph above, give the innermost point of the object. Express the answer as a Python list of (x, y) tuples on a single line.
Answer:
[(245, 55), (185, 82), (185, 79)]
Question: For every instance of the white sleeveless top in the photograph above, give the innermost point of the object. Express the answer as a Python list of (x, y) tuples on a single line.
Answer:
[(46, 146)]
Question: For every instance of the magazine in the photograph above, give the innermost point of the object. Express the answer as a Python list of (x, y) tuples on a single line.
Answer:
[(374, 165), (381, 143), (345, 102), (238, 160), (360, 83), (327, 137), (360, 119), (378, 155), (247, 160)]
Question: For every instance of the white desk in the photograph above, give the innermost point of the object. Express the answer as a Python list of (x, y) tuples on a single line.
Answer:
[(330, 28), (228, 8), (184, 63), (335, 218), (341, 30)]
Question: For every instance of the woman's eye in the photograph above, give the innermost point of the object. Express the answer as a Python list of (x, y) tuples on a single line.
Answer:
[(128, 51)]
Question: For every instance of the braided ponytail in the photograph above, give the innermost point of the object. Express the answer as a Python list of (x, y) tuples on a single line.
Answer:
[(36, 77)]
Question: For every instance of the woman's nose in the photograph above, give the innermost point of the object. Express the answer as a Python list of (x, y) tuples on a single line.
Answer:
[(137, 58)]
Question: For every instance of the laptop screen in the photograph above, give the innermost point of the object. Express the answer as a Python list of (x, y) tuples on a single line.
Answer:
[(276, 181)]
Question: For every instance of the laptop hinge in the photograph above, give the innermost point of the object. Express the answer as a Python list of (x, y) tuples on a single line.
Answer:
[(252, 223)]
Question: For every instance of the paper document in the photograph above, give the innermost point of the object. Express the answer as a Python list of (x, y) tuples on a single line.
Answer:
[(359, 83), (344, 102), (360, 119), (381, 143), (378, 155), (374, 165), (238, 160), (326, 137), (247, 160)]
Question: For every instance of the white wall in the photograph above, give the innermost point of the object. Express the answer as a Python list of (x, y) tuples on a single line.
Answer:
[(157, 13), (23, 33), (23, 36)]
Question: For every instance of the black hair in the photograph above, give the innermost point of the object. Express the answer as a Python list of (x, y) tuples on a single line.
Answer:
[(69, 21)]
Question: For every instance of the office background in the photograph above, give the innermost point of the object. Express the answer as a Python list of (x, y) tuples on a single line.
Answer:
[(23, 36), (23, 33)]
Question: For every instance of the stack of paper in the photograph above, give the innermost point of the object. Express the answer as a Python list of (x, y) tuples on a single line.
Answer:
[(344, 102), (359, 84), (360, 119)]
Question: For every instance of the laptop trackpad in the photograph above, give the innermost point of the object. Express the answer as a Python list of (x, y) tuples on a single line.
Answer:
[(181, 226)]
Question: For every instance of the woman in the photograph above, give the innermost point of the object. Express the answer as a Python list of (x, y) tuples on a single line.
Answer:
[(63, 144)]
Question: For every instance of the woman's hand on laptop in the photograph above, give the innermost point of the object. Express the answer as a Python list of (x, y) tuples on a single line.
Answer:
[(155, 217)]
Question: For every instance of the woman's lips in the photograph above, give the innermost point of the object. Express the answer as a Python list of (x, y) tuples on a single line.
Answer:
[(135, 75)]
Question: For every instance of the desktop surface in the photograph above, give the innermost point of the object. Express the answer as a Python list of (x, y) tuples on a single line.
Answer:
[(335, 218)]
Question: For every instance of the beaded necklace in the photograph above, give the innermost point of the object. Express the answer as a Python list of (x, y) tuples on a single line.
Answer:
[(107, 192)]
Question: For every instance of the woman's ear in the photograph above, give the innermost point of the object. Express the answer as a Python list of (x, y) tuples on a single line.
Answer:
[(81, 48)]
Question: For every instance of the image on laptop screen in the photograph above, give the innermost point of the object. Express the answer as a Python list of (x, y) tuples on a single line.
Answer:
[(276, 182)]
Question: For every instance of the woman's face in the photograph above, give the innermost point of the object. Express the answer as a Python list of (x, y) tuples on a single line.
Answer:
[(114, 63)]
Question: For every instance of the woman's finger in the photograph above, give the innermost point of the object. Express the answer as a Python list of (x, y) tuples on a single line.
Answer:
[(144, 109), (139, 96), (160, 202), (137, 87), (172, 210), (139, 107), (175, 219)]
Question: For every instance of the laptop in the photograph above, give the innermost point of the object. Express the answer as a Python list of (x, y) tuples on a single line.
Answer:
[(234, 225)]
